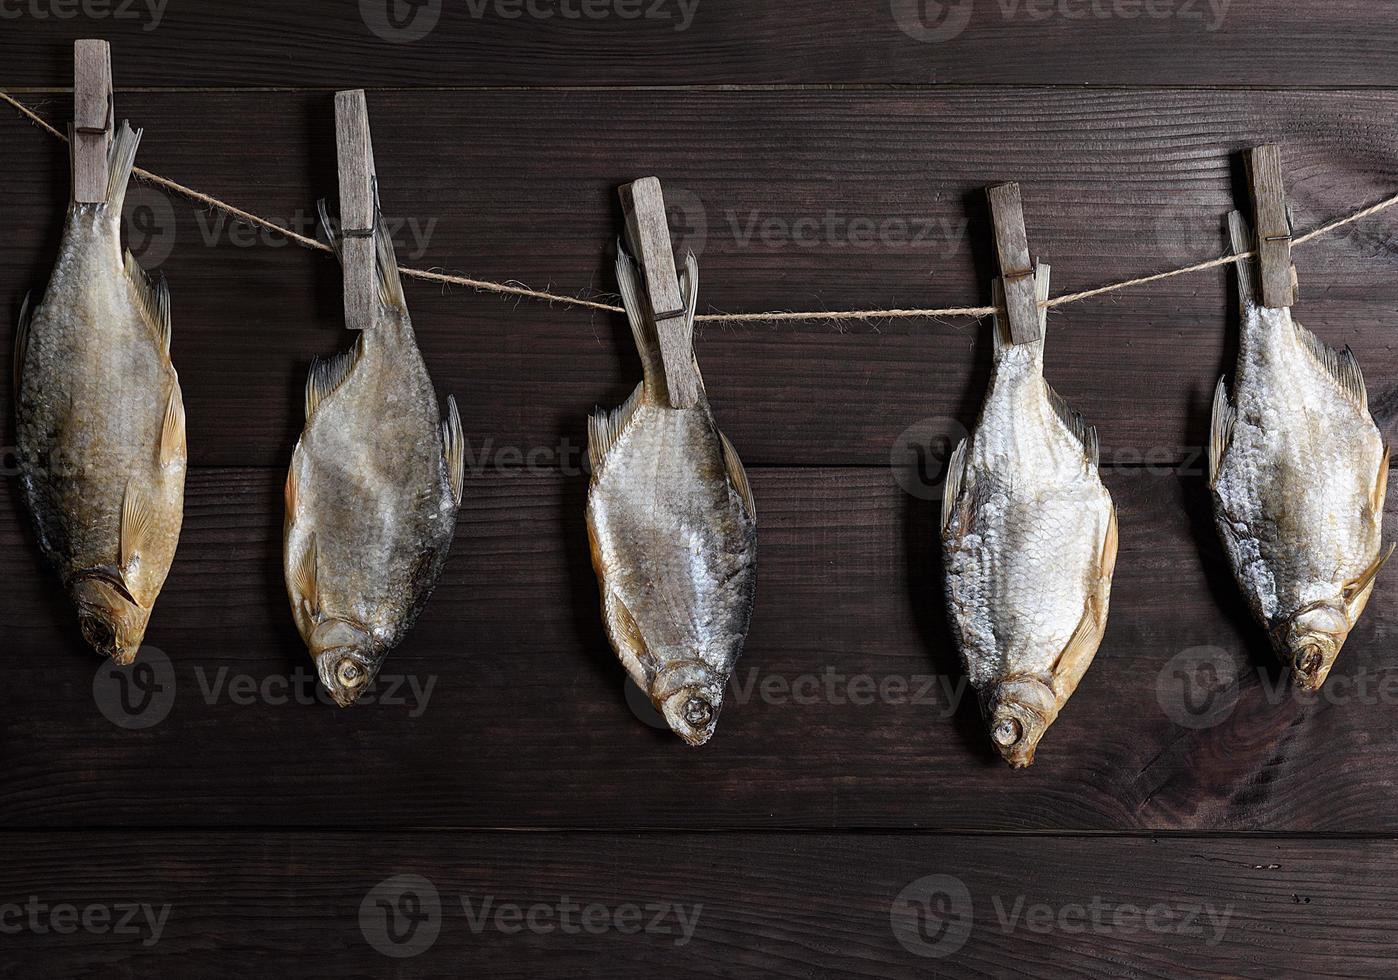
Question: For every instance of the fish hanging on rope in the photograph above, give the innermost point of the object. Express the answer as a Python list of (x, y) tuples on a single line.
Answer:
[(1299, 472), (673, 530), (372, 496), (101, 423), (1029, 538)]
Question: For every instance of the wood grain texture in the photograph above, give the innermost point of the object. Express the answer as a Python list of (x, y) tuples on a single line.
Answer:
[(865, 200), (847, 709), (534, 906), (93, 110), (354, 155), (378, 43)]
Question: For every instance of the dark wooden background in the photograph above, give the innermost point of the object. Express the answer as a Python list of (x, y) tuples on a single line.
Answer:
[(816, 155)]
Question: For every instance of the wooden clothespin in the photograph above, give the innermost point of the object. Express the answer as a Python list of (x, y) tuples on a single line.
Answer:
[(1274, 227), (1017, 270), (358, 210), (648, 232), (93, 115)]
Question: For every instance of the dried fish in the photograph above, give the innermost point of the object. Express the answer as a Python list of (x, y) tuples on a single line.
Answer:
[(1029, 537), (102, 452), (673, 530), (372, 495), (1299, 473)]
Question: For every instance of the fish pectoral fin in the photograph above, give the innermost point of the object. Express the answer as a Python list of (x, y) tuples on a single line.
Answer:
[(137, 523), (627, 640), (1364, 581), (153, 299), (1085, 434), (173, 442), (1106, 565), (956, 478), (1220, 430), (306, 576), (1340, 365), (454, 450), (328, 373), (605, 427), (293, 488), (738, 476), (1077, 654), (1379, 494), (21, 344)]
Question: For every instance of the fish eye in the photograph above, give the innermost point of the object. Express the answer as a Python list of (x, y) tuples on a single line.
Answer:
[(349, 673), (698, 712), (1007, 732)]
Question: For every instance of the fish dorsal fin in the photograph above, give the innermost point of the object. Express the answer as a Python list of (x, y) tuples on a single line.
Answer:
[(1085, 434), (306, 576), (1220, 431), (21, 343), (173, 443), (738, 476), (454, 450), (153, 299), (1340, 365), (604, 427), (328, 373), (121, 160), (956, 475), (136, 525)]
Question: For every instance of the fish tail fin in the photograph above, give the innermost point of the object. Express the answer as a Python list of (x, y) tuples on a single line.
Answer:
[(1001, 328), (385, 260), (121, 160), (1241, 240), (637, 315)]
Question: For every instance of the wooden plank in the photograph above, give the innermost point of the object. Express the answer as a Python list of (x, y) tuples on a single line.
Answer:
[(93, 119), (648, 230), (1016, 265), (1134, 182), (1273, 226), (532, 906), (504, 42), (506, 707), (354, 153)]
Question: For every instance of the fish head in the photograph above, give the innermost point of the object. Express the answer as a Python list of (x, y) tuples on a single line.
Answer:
[(113, 622), (1019, 710), (690, 697), (1310, 641), (346, 658)]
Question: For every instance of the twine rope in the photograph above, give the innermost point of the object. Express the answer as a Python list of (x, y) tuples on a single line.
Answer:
[(507, 289)]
